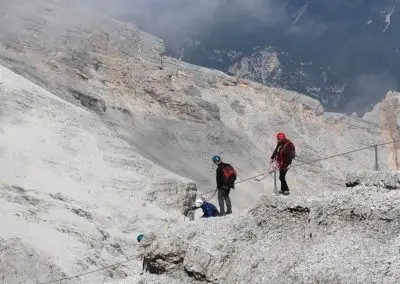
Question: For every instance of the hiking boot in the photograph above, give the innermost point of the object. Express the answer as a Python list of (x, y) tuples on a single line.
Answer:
[(228, 212), (286, 192), (221, 214)]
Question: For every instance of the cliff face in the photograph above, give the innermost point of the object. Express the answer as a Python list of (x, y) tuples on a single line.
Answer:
[(386, 114), (390, 109)]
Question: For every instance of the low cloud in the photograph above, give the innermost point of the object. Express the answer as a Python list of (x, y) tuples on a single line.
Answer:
[(369, 89)]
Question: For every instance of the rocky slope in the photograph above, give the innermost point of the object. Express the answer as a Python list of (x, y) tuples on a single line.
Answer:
[(73, 195), (346, 236), (91, 165)]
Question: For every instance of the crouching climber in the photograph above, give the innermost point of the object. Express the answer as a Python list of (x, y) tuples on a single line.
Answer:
[(209, 210), (226, 176)]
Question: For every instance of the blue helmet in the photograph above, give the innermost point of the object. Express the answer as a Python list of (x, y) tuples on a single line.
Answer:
[(216, 158), (139, 238)]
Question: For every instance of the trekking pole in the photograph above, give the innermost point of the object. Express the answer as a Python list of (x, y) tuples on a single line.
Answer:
[(273, 168)]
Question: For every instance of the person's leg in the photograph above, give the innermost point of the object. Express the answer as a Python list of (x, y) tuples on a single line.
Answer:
[(221, 201), (282, 178), (228, 201)]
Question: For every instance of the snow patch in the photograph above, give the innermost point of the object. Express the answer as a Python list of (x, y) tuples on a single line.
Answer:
[(300, 13), (388, 17)]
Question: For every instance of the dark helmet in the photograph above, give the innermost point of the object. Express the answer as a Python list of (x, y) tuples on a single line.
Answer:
[(216, 158), (139, 238)]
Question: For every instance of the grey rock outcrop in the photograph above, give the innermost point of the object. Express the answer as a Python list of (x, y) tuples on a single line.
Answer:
[(178, 195), (345, 236), (385, 179)]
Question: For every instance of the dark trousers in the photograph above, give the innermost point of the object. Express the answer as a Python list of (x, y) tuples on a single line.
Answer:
[(223, 196), (282, 178)]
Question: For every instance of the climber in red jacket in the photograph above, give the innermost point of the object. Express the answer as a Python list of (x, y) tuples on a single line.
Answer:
[(283, 154)]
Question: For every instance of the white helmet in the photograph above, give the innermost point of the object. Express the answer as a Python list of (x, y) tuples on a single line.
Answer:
[(199, 202)]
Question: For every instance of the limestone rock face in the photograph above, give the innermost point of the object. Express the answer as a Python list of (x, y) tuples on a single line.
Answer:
[(387, 115)]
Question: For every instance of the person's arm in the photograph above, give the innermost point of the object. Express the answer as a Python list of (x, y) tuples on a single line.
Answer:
[(219, 177), (275, 152)]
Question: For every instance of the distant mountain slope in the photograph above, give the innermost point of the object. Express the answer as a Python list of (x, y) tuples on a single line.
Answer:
[(344, 53)]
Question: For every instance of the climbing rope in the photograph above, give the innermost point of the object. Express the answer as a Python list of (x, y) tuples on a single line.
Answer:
[(214, 192), (320, 159), (92, 271)]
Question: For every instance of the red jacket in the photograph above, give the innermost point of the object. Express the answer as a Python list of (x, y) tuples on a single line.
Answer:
[(284, 153)]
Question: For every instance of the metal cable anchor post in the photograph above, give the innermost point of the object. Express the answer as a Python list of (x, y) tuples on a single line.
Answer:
[(275, 187), (376, 158)]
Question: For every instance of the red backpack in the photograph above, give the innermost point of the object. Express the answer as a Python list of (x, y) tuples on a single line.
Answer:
[(229, 174)]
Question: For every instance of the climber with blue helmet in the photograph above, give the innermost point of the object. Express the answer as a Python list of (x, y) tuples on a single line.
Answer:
[(216, 159), (225, 177), (209, 209)]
